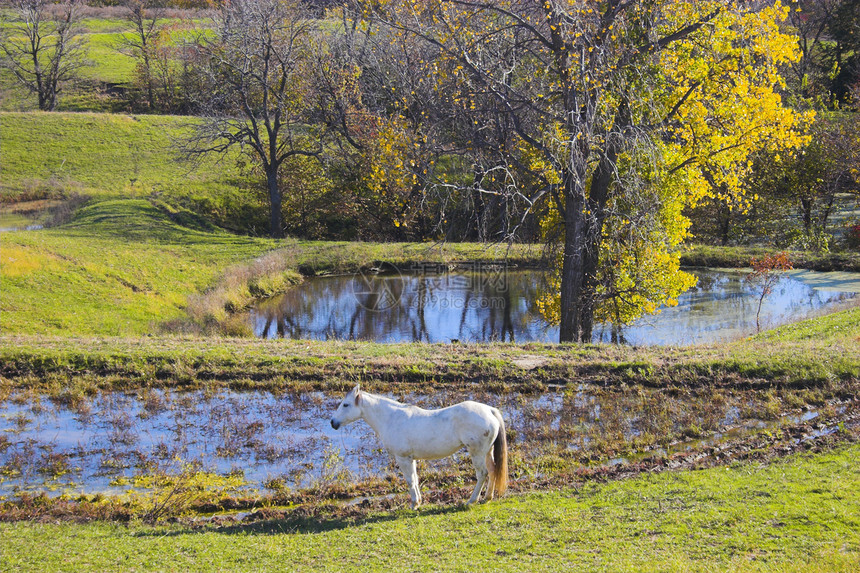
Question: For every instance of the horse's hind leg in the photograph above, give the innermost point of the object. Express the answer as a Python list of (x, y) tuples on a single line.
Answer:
[(480, 463), (491, 469), (410, 474)]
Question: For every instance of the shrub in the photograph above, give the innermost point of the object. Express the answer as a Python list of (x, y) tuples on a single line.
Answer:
[(853, 236)]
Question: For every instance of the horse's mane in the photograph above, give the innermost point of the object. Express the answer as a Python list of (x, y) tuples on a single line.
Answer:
[(391, 401)]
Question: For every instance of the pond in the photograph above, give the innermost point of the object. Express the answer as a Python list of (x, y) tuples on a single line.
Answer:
[(497, 304), (104, 442), (17, 222)]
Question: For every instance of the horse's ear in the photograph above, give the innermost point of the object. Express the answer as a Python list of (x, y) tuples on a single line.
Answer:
[(357, 393)]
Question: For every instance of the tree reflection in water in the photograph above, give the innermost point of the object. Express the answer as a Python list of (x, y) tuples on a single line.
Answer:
[(480, 307), (500, 306)]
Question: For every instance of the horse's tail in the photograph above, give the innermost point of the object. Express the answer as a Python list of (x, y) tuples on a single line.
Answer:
[(500, 457)]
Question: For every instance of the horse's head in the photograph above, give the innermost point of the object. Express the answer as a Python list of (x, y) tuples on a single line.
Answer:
[(349, 409)]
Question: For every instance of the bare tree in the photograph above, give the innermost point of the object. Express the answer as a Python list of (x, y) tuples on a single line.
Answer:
[(42, 50), (257, 63), (146, 18)]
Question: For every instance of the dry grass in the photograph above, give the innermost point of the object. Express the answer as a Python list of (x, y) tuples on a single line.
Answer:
[(241, 284)]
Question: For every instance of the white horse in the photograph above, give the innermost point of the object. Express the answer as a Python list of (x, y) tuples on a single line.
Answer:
[(410, 433)]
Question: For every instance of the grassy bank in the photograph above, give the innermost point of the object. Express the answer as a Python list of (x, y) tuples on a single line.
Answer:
[(739, 257), (120, 267), (799, 514)]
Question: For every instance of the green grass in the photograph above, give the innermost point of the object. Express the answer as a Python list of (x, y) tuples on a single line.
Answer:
[(120, 267), (121, 156), (93, 24), (739, 257), (828, 329), (800, 514), (103, 154), (108, 64)]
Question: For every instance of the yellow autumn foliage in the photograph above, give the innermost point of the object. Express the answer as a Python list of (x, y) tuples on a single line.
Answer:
[(658, 104)]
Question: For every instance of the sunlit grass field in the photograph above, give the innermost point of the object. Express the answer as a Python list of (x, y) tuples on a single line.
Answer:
[(795, 515), (119, 267), (104, 154)]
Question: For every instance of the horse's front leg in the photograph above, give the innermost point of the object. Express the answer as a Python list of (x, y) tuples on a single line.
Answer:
[(410, 474)]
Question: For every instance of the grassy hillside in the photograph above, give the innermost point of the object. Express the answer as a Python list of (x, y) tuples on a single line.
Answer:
[(121, 264), (103, 155), (119, 267), (794, 515)]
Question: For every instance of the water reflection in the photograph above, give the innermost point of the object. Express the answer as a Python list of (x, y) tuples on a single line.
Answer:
[(499, 305), (415, 307)]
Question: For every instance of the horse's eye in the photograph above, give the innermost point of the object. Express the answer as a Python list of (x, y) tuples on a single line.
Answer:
[(346, 405)]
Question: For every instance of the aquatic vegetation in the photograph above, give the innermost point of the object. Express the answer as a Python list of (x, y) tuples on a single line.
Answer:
[(282, 441)]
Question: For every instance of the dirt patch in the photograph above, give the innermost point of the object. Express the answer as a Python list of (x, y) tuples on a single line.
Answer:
[(529, 361)]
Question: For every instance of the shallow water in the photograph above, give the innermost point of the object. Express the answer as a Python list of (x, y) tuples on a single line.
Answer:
[(8, 225), (499, 305), (101, 444), (20, 221)]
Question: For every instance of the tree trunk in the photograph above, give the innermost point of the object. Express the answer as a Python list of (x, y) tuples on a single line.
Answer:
[(479, 207), (276, 223), (724, 216), (583, 227), (806, 209), (578, 277), (825, 212), (598, 195), (572, 268), (51, 100), (150, 90)]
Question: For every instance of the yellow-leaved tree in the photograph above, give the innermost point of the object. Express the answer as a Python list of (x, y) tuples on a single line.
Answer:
[(619, 114)]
